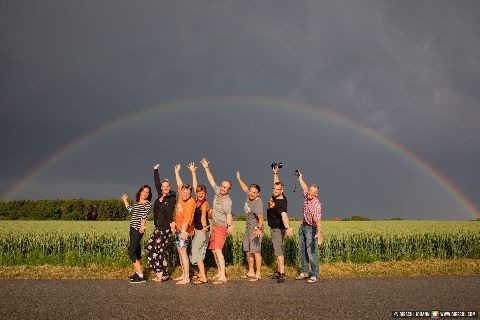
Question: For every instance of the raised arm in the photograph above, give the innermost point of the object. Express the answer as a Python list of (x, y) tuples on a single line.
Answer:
[(275, 174), (242, 184), (177, 176), (302, 183), (125, 201), (156, 178), (207, 171), (193, 170)]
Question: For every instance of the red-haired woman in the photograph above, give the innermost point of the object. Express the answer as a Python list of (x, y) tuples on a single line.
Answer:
[(202, 235)]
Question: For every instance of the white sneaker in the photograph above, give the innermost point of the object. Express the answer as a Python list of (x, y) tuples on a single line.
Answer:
[(302, 276), (312, 280)]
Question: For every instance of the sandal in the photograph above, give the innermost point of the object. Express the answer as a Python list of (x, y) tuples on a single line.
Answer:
[(198, 281), (246, 276), (218, 281), (254, 279)]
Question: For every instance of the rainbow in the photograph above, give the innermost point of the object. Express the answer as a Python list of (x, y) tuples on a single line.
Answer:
[(259, 101)]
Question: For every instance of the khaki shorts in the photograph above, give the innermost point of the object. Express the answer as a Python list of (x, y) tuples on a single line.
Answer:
[(277, 240), (199, 246), (252, 243)]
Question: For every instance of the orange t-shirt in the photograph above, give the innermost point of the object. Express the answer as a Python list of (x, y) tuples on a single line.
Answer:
[(184, 213)]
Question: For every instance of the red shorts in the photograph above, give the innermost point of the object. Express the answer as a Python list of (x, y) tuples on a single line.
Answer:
[(217, 238)]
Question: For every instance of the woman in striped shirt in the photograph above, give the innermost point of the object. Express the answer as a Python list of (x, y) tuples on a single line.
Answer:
[(139, 213)]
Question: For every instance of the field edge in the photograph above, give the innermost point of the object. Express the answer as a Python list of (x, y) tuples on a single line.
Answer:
[(431, 267)]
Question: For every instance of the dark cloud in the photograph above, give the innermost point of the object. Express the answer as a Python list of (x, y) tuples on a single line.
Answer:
[(410, 72)]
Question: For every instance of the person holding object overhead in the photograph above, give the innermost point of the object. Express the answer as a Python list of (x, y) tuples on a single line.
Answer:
[(139, 213), (310, 232), (279, 223), (183, 224), (222, 221), (252, 239), (157, 245), (200, 221)]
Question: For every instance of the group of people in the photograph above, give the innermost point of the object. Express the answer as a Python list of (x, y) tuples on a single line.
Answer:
[(189, 219)]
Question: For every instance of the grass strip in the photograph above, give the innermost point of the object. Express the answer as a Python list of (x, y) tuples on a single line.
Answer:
[(429, 267)]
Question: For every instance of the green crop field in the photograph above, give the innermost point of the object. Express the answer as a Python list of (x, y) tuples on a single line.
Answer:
[(330, 228), (80, 243)]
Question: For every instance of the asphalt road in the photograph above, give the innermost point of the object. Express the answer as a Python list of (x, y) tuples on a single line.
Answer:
[(368, 298)]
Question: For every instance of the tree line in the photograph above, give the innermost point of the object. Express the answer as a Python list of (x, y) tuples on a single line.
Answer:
[(72, 209), (87, 209), (68, 209)]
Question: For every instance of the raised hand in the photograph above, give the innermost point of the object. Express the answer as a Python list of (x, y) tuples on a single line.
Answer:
[(156, 166), (124, 197), (238, 175), (204, 163), (192, 167), (177, 167), (275, 170)]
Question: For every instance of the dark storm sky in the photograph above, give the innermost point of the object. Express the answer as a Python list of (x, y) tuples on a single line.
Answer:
[(410, 71)]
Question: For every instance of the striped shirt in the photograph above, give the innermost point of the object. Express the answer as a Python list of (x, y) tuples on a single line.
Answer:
[(312, 210), (139, 212)]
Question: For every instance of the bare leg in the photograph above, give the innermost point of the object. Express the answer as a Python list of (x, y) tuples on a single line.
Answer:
[(280, 264), (181, 264), (217, 262), (201, 271), (250, 260), (258, 264), (185, 266), (221, 264), (137, 266)]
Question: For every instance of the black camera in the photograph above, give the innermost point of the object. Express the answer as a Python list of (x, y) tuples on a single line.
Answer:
[(296, 173), (279, 165)]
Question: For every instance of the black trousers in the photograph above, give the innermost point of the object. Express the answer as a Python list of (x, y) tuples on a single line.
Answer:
[(135, 248)]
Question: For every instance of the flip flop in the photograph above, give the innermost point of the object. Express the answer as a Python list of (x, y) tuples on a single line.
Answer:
[(219, 282), (197, 282), (246, 276), (254, 279), (165, 278)]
